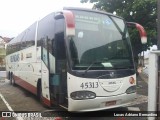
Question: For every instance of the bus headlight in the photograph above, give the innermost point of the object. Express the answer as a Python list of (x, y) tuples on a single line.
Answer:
[(80, 95), (131, 89)]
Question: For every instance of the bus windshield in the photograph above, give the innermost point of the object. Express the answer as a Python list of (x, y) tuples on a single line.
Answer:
[(101, 42)]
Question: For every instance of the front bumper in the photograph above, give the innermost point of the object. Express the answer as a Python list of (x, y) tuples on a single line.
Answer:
[(99, 103)]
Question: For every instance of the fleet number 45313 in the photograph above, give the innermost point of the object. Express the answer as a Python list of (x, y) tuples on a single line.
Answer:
[(86, 85)]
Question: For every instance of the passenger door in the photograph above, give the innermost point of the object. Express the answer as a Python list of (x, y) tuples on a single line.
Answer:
[(60, 53), (45, 72)]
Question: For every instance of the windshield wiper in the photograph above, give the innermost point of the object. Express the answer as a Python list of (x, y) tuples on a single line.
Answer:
[(95, 62)]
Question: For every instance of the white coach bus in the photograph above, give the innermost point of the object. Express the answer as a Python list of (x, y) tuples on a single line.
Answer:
[(78, 59)]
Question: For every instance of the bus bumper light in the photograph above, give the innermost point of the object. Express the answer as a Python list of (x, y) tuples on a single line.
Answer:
[(131, 89), (80, 95)]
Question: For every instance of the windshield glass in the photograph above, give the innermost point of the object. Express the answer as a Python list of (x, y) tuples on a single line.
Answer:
[(101, 42)]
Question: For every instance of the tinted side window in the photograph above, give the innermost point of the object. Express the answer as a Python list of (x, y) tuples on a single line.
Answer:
[(46, 30), (59, 36), (23, 40), (14, 45), (60, 46), (28, 38)]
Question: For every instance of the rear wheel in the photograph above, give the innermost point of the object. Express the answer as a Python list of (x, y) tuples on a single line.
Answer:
[(12, 79), (9, 77)]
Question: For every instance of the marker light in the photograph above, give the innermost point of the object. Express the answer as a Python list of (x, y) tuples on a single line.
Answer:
[(80, 95), (131, 80)]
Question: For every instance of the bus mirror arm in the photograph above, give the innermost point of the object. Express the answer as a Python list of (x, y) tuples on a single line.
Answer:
[(141, 30)]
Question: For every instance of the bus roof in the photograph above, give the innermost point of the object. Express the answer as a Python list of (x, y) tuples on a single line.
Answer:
[(69, 8), (91, 10)]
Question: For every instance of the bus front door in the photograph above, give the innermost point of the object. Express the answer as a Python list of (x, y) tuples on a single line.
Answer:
[(45, 86), (60, 76)]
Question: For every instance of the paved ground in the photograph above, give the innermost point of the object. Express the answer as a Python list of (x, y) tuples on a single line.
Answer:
[(142, 91)]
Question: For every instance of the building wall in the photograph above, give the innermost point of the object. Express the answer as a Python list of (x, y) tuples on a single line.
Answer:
[(146, 61)]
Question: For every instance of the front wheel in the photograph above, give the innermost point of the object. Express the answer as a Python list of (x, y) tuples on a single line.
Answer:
[(39, 94)]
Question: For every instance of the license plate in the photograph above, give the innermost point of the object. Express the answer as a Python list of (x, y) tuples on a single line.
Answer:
[(110, 103)]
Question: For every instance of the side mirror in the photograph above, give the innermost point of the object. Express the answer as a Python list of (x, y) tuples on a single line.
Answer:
[(70, 23), (141, 30)]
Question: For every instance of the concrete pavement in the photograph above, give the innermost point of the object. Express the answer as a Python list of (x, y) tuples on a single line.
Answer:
[(143, 91)]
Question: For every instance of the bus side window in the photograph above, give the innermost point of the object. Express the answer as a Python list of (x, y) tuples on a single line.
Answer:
[(23, 40), (30, 36), (60, 47), (60, 50), (59, 39)]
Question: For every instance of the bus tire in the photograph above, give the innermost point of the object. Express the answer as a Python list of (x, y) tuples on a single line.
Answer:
[(12, 80), (39, 92), (9, 77)]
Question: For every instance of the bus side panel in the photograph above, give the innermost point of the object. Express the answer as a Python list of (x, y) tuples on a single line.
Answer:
[(27, 64), (26, 69), (45, 84)]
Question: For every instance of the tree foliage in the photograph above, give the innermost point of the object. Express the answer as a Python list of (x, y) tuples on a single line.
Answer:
[(143, 12)]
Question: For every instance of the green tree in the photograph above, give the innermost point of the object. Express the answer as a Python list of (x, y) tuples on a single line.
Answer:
[(143, 12)]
